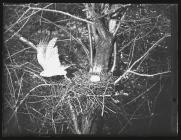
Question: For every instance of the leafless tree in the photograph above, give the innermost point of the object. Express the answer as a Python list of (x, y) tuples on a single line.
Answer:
[(119, 54)]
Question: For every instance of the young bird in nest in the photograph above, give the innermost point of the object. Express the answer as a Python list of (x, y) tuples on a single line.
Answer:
[(48, 58)]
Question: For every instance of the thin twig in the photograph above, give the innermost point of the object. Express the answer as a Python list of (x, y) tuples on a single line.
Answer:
[(18, 52), (131, 52), (142, 57), (18, 30), (34, 12), (149, 75), (21, 38), (74, 118), (90, 44), (132, 116), (115, 57), (61, 12), (63, 28), (114, 34), (39, 77), (103, 100), (17, 20), (135, 39), (10, 80), (152, 47), (53, 123), (20, 86), (142, 93)]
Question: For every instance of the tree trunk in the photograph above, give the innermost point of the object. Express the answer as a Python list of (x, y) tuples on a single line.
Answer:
[(102, 43), (103, 33), (103, 48)]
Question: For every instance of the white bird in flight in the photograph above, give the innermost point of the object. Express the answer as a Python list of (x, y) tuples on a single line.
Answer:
[(48, 58)]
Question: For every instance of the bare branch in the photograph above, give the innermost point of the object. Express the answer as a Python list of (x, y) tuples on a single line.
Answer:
[(135, 39), (20, 19), (90, 45), (142, 93), (18, 52), (78, 40), (151, 48), (142, 57), (74, 118), (131, 52), (103, 100), (18, 30), (115, 54), (61, 12), (21, 38), (122, 18), (148, 75), (17, 20)]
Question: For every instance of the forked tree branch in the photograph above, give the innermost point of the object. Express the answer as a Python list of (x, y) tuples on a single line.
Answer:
[(143, 57), (21, 38), (64, 29), (61, 12)]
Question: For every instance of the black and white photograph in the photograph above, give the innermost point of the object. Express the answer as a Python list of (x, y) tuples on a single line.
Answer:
[(89, 69)]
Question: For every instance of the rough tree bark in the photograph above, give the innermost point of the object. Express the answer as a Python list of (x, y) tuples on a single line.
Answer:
[(103, 41), (103, 34)]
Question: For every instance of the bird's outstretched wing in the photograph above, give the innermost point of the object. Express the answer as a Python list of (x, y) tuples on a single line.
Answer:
[(51, 50), (48, 58), (41, 51)]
